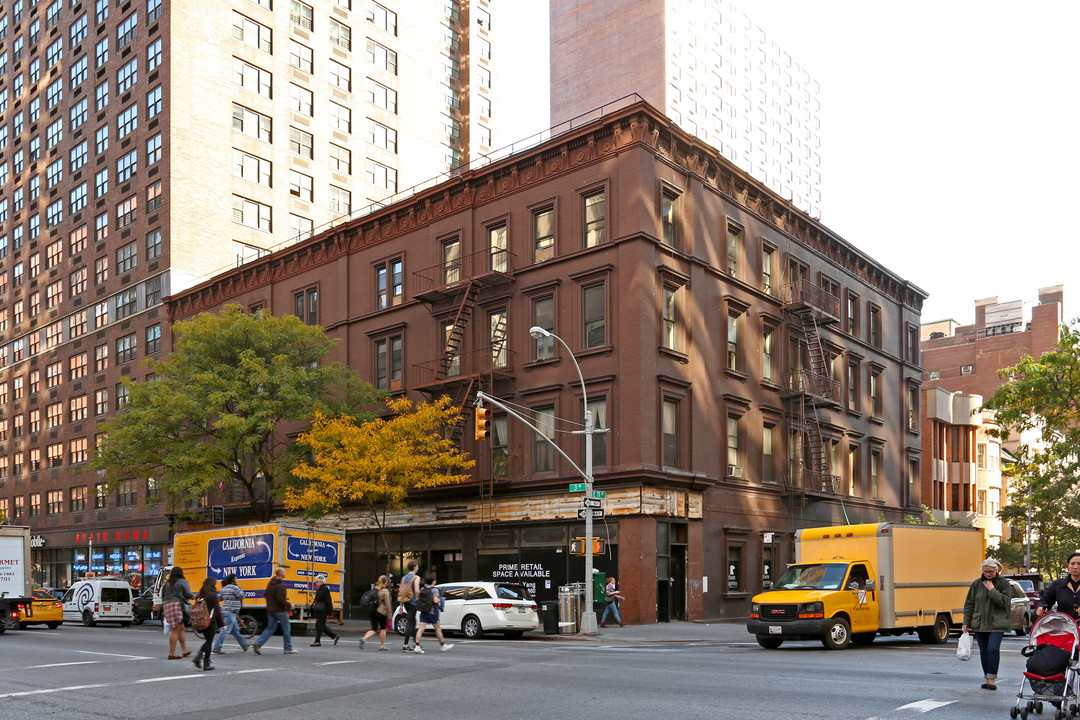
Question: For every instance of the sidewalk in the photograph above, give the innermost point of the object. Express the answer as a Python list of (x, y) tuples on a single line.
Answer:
[(704, 631)]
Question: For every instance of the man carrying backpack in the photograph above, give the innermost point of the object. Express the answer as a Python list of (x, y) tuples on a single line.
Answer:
[(429, 603), (408, 589)]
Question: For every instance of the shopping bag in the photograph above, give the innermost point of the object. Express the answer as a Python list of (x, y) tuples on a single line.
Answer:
[(963, 648), (165, 627)]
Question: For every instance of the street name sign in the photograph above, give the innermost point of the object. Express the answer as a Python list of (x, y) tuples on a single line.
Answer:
[(577, 487)]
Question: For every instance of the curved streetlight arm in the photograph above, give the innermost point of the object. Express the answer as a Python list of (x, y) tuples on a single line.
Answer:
[(538, 332), (484, 397)]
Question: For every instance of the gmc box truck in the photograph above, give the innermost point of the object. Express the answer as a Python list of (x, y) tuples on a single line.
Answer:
[(851, 583)]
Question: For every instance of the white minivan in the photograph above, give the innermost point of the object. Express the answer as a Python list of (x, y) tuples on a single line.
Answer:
[(100, 599)]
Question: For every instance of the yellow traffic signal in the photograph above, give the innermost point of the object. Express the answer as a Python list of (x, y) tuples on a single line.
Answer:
[(483, 423)]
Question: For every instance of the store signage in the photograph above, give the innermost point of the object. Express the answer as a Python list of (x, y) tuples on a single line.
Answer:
[(113, 536), (37, 541)]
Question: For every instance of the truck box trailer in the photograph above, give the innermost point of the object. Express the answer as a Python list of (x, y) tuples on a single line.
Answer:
[(252, 553), (15, 581), (851, 583)]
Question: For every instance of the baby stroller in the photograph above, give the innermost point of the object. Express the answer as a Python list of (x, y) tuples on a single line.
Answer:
[(1051, 676)]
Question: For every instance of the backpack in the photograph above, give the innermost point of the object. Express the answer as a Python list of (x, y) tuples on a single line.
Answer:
[(425, 601), (405, 590), (200, 615), (369, 601)]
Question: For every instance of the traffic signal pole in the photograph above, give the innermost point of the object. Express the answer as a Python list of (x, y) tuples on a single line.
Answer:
[(588, 617)]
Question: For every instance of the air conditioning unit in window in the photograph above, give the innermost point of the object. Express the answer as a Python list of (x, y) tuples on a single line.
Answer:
[(734, 471)]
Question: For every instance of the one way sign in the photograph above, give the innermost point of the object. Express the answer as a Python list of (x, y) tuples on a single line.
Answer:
[(583, 513)]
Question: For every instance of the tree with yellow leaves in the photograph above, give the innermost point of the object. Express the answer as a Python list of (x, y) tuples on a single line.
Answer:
[(378, 462)]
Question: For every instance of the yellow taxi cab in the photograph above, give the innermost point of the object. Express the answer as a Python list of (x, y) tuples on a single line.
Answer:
[(44, 610)]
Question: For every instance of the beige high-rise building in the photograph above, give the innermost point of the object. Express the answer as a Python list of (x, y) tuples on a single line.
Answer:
[(149, 144), (708, 67)]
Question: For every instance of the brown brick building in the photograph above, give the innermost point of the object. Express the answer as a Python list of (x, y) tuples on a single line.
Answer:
[(758, 373), (961, 473)]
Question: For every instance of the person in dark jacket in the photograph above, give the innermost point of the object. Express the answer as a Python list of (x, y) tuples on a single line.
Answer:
[(277, 613), (321, 606), (986, 615), (1063, 592), (208, 594)]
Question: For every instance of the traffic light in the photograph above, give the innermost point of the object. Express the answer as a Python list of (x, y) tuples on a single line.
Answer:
[(483, 423)]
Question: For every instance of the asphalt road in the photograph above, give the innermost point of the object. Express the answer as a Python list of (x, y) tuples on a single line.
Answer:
[(108, 672)]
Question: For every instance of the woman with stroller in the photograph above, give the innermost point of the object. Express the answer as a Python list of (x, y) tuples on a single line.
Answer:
[(986, 616), (1064, 592)]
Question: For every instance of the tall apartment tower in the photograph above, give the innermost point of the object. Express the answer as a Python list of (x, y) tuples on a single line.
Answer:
[(146, 145), (706, 66)]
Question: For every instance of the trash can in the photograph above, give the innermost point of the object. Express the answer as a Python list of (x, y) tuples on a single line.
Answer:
[(568, 612), (549, 613)]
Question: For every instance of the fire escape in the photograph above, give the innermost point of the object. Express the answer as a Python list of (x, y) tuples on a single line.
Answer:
[(807, 391), (452, 290)]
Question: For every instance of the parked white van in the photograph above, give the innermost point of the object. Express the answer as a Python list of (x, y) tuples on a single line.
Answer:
[(99, 599)]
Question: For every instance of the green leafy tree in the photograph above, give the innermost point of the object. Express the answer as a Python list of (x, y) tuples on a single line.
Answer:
[(221, 407), (1040, 398), (376, 464)]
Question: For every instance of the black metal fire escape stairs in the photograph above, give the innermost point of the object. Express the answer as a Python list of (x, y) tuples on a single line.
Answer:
[(459, 372), (808, 392)]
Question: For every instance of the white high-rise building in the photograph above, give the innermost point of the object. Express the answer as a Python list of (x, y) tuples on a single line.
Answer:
[(707, 66), (147, 145)]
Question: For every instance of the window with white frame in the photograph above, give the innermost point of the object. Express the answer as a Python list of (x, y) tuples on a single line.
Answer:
[(252, 77), (381, 176), (300, 185), (252, 33), (340, 159), (251, 213), (252, 123), (300, 57), (301, 100), (251, 167), (340, 35)]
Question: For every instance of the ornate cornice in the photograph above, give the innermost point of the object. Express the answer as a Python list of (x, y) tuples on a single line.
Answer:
[(639, 124)]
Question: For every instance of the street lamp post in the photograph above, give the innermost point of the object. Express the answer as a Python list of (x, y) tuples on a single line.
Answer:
[(588, 617)]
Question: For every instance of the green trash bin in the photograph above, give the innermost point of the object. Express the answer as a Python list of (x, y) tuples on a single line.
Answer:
[(599, 594)]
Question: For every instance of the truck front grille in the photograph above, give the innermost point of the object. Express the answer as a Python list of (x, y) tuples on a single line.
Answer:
[(778, 613)]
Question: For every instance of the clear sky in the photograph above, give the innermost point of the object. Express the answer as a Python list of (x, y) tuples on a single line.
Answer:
[(950, 140)]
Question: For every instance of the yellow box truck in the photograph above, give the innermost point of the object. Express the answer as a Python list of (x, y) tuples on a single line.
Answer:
[(252, 553), (851, 583)]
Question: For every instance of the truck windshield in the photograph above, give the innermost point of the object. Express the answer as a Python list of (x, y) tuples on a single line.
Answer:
[(820, 576)]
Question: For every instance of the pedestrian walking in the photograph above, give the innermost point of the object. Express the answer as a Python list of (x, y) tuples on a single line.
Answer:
[(986, 615), (379, 615), (429, 603), (174, 596), (1063, 592), (208, 594), (321, 606), (231, 599), (408, 589), (277, 613), (612, 596)]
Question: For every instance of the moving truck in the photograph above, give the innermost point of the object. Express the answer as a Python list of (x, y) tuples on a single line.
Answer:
[(252, 553), (853, 582), (15, 590)]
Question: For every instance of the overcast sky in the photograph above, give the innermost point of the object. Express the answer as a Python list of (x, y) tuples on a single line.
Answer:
[(950, 148)]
